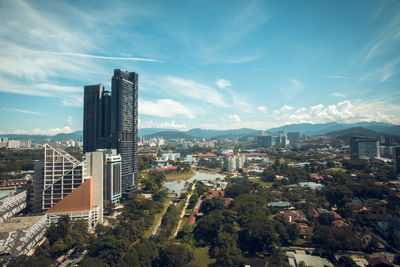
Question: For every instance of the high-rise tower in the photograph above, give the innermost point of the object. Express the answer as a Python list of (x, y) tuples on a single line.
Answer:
[(111, 121), (124, 124), (92, 121)]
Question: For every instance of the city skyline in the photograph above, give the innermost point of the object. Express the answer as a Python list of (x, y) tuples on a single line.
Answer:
[(246, 64)]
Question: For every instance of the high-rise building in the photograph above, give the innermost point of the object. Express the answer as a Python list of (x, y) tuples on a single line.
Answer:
[(112, 177), (364, 147), (396, 158), (92, 120), (111, 122), (124, 125), (293, 136), (264, 141), (56, 176)]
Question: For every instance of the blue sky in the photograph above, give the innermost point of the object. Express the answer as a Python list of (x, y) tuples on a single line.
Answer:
[(209, 64)]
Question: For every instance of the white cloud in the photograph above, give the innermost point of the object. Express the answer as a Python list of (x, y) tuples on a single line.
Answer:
[(338, 94), (222, 83), (52, 131), (337, 77), (283, 109), (100, 57), (164, 108), (262, 109), (234, 118), (23, 111), (69, 120), (198, 91), (345, 111), (165, 125)]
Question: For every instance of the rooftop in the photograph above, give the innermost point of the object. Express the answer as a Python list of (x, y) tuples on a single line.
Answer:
[(19, 223)]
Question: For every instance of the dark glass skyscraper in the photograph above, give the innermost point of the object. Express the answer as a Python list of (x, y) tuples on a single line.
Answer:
[(111, 121), (92, 121), (124, 124)]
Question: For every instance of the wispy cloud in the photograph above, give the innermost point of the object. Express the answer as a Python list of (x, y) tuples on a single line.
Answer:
[(222, 83), (164, 108), (22, 111), (262, 109), (234, 118), (337, 77), (283, 109), (196, 90), (101, 57), (336, 94), (291, 88)]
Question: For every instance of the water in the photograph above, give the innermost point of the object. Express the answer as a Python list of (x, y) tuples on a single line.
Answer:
[(179, 186)]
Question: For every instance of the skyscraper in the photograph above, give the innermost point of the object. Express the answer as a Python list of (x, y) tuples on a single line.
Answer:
[(92, 119), (124, 124), (111, 122)]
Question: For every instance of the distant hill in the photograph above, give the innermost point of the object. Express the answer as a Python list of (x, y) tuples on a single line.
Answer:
[(323, 128), (58, 137), (358, 131), (170, 135), (148, 131), (217, 133)]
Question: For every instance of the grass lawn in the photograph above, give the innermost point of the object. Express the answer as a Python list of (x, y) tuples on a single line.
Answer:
[(262, 183), (179, 176), (202, 258), (156, 219)]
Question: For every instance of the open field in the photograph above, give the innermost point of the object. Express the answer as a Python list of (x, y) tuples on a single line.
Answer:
[(262, 183)]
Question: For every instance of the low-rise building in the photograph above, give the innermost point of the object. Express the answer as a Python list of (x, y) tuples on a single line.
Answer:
[(12, 201), (18, 235)]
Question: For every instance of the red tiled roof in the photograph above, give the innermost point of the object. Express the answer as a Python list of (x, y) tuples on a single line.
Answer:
[(337, 216), (216, 193), (78, 200), (166, 168), (192, 218), (339, 223)]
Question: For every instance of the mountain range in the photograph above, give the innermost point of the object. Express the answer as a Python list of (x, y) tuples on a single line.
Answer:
[(331, 129)]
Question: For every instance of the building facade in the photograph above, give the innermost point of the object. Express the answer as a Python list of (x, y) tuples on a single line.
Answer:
[(396, 158), (115, 124), (112, 178), (56, 176), (92, 119), (124, 125), (363, 147)]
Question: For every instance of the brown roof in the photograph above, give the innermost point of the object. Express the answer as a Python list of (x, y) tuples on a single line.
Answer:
[(78, 200)]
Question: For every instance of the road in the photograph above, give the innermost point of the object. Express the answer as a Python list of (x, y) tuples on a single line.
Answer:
[(184, 209)]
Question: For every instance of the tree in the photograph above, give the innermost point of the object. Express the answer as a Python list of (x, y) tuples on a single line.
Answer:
[(213, 204), (173, 255)]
